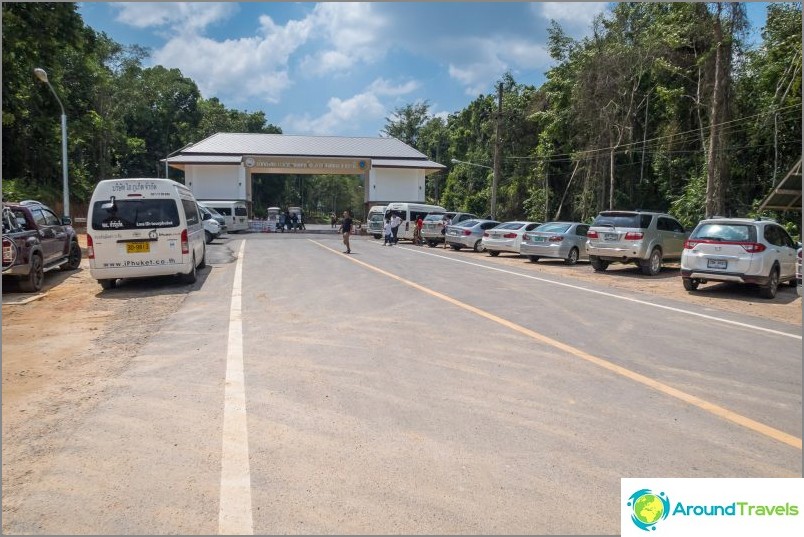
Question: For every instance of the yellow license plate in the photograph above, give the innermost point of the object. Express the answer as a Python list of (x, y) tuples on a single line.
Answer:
[(138, 247)]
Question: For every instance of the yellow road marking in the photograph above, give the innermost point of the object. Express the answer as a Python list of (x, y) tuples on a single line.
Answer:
[(712, 408)]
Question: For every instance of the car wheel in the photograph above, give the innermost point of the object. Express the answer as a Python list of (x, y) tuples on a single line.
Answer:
[(654, 263), (36, 277), (203, 263), (572, 258), (74, 259), (432, 244), (769, 290), (690, 284), (191, 276), (479, 246), (598, 264), (493, 253), (377, 236), (456, 246), (208, 236), (108, 284), (534, 258)]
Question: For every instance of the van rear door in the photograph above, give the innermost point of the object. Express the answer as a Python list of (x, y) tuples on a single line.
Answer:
[(136, 231)]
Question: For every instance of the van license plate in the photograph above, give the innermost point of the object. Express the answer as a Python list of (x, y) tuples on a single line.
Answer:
[(138, 247), (717, 264)]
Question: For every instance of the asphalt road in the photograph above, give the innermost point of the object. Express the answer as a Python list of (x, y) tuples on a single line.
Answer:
[(408, 390)]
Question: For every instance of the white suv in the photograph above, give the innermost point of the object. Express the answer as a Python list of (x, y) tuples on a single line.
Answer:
[(739, 250)]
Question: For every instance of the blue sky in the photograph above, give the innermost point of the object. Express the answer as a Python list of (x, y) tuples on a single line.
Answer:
[(338, 68)]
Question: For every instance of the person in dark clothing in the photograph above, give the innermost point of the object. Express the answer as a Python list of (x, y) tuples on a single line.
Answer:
[(346, 230), (294, 220), (287, 219)]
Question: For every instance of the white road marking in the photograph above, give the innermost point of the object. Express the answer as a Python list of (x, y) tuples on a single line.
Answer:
[(636, 300), (235, 517)]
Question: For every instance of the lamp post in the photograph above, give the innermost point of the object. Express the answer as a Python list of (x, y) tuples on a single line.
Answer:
[(42, 75), (493, 186)]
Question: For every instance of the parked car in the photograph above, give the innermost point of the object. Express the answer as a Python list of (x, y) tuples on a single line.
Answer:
[(506, 237), (645, 238), (219, 218), (561, 240), (212, 227), (431, 230), (469, 233), (35, 241), (739, 250)]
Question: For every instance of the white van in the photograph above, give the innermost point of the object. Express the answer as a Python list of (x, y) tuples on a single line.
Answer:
[(235, 212), (143, 227), (376, 220), (409, 212)]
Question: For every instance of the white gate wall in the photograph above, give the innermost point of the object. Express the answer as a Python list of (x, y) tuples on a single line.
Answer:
[(217, 182), (391, 184)]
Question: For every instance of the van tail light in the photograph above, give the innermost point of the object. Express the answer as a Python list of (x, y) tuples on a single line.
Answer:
[(90, 247), (185, 242), (467, 232), (753, 247), (555, 238), (509, 236), (634, 236), (8, 252), (591, 234)]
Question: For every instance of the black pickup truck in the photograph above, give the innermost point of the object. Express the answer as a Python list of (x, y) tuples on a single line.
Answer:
[(35, 241)]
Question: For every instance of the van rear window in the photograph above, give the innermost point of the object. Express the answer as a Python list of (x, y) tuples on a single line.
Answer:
[(632, 220), (241, 211), (135, 214)]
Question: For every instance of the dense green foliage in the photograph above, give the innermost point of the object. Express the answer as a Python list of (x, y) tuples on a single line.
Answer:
[(663, 106)]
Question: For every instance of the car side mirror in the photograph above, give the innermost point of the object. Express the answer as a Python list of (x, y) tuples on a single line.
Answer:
[(66, 221)]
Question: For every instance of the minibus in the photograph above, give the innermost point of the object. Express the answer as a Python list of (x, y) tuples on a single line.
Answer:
[(409, 212), (234, 211)]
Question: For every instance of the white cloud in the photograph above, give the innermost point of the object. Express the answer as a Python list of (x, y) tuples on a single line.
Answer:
[(382, 87), (189, 15), (574, 16), (354, 30), (340, 117)]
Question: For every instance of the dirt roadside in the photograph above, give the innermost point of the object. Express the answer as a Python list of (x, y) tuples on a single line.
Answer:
[(61, 352)]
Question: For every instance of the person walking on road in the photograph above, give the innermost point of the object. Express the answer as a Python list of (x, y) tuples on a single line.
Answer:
[(396, 221), (346, 230), (386, 231), (417, 231), (332, 219)]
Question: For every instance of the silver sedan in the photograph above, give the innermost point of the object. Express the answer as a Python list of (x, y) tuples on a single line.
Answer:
[(506, 237), (561, 240), (469, 234)]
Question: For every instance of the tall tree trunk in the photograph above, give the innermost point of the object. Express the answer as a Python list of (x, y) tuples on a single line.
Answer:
[(715, 187)]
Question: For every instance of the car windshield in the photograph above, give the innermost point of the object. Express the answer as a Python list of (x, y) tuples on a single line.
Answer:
[(135, 214), (725, 232), (553, 227), (634, 220), (376, 217)]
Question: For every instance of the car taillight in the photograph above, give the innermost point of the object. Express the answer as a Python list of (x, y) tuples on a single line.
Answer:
[(689, 245), (486, 234), (467, 232), (8, 252), (555, 238), (185, 242), (509, 236), (591, 234), (753, 247), (634, 236), (90, 248), (525, 237)]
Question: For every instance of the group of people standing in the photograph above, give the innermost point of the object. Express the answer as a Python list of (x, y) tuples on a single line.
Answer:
[(391, 230)]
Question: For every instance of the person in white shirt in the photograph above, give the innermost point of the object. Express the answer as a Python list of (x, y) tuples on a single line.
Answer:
[(386, 231), (396, 221)]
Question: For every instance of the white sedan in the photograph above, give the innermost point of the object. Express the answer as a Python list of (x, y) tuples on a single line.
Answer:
[(506, 237)]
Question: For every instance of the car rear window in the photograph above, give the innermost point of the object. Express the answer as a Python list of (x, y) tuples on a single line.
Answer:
[(553, 228), (135, 214), (725, 232), (467, 223), (632, 220), (511, 225), (434, 218)]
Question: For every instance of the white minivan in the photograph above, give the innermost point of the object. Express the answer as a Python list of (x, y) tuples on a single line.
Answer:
[(376, 221), (410, 212), (143, 227), (234, 211)]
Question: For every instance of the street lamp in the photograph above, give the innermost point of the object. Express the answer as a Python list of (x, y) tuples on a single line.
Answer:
[(42, 75), (171, 154), (493, 185)]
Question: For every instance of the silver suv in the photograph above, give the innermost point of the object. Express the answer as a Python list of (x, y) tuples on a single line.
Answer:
[(739, 250), (644, 238)]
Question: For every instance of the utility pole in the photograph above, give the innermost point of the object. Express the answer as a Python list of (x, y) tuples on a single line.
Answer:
[(496, 179)]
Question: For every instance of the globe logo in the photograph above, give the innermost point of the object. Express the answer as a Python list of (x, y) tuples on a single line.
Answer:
[(648, 508)]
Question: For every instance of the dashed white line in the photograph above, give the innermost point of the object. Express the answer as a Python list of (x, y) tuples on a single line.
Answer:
[(235, 515)]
